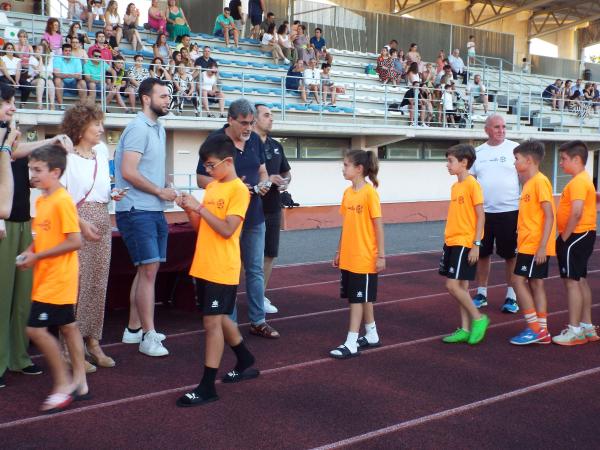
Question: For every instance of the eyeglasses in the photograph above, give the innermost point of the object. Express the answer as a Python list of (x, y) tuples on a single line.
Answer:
[(246, 123), (211, 166)]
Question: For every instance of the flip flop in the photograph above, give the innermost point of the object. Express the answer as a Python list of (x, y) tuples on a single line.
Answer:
[(236, 377), (344, 351), (364, 344), (56, 402)]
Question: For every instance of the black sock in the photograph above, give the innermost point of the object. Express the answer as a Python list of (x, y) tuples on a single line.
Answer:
[(206, 388), (245, 359), (134, 330)]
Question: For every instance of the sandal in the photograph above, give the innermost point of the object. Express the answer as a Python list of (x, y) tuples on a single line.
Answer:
[(194, 399), (56, 402), (264, 330), (101, 361), (235, 377), (343, 352), (364, 344)]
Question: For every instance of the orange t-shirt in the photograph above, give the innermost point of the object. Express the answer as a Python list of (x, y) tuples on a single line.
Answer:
[(579, 188), (358, 249), (55, 279), (217, 259), (461, 224), (531, 216)]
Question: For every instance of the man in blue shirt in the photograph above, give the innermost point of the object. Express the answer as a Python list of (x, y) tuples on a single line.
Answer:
[(550, 94), (250, 167), (68, 75), (293, 80), (319, 44), (255, 12), (225, 27)]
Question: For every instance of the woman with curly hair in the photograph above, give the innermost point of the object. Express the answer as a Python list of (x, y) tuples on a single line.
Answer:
[(88, 181), (385, 67), (53, 36)]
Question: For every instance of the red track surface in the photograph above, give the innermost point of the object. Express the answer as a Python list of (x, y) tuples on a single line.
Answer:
[(413, 392)]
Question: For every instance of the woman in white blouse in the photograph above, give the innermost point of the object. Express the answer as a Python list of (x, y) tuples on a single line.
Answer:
[(40, 75), (11, 72), (269, 44), (112, 18), (87, 179), (284, 41)]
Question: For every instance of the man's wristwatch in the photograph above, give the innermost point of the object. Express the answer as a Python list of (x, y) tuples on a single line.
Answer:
[(477, 243)]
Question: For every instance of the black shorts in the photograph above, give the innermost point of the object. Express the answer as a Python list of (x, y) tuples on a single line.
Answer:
[(273, 227), (214, 298), (43, 315), (573, 255), (255, 17), (454, 263), (500, 228), (212, 98), (358, 287), (526, 267)]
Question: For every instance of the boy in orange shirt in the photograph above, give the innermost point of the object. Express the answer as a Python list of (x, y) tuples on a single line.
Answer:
[(536, 231), (576, 222), (462, 239), (216, 265), (53, 256)]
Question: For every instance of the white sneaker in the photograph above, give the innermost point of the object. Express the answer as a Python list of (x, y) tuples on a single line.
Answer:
[(286, 61), (269, 307), (136, 338), (151, 345)]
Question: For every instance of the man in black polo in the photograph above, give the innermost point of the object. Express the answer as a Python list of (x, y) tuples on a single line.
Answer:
[(279, 175)]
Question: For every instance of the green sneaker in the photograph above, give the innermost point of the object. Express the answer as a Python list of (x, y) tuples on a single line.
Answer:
[(458, 336), (478, 329)]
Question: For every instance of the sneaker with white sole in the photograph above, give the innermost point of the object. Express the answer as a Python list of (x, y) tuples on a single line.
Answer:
[(136, 338), (270, 308), (568, 337), (151, 345)]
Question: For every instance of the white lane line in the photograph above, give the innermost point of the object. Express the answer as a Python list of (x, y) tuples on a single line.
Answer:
[(274, 370), (459, 410)]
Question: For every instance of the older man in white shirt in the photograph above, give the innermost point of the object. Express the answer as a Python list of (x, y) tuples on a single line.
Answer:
[(458, 66), (312, 80)]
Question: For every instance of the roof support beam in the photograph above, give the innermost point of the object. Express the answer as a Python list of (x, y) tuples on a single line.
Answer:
[(401, 7), (525, 6), (564, 26), (556, 20)]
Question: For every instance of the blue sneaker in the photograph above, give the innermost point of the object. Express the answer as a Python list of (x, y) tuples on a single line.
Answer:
[(528, 336), (480, 300), (510, 306)]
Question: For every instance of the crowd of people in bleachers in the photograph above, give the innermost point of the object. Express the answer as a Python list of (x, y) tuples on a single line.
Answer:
[(581, 98)]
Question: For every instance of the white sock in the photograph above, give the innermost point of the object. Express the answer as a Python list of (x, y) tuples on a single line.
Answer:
[(371, 333), (482, 291), (351, 342), (510, 293), (585, 325), (575, 330)]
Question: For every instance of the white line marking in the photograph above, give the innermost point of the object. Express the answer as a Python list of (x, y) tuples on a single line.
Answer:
[(459, 410), (274, 370)]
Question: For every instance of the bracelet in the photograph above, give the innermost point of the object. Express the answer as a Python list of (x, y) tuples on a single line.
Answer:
[(7, 149)]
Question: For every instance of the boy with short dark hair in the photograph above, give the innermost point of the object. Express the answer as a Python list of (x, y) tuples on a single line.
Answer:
[(462, 239), (216, 265), (53, 256), (576, 223), (536, 229)]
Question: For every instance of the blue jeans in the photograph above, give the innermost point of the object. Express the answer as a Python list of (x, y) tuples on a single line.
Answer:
[(145, 235), (252, 245)]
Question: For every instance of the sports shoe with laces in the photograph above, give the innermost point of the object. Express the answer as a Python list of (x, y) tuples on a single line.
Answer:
[(568, 337), (546, 339), (270, 308), (460, 335), (136, 338), (478, 329), (32, 369), (591, 334), (510, 306), (528, 336), (480, 300), (151, 345)]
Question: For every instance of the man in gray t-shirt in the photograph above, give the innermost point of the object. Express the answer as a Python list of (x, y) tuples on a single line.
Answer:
[(140, 167)]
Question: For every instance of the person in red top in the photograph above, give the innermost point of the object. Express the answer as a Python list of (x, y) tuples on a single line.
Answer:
[(462, 240), (576, 223), (536, 229), (361, 251), (106, 52)]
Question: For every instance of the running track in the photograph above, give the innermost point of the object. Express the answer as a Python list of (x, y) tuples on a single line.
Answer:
[(413, 392)]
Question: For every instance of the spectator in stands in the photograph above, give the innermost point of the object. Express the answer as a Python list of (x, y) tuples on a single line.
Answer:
[(94, 71), (52, 35), (185, 58), (595, 96), (440, 61), (410, 99), (177, 24), (283, 39), (448, 103), (413, 55), (412, 74), (77, 10), (210, 92), (327, 84), (130, 23), (425, 104), (578, 86), (157, 19), (458, 66), (477, 93), (68, 75), (205, 61), (398, 66), (174, 62), (96, 12), (185, 89), (445, 77), (77, 51), (428, 75), (294, 30), (320, 46), (269, 44), (565, 94), (312, 80), (265, 24), (195, 52), (12, 73), (256, 9), (160, 70), (471, 52), (552, 93), (385, 67), (118, 84), (392, 45), (24, 51), (111, 40), (293, 80), (40, 74), (225, 28), (186, 41), (106, 52), (525, 66), (75, 32), (113, 19), (235, 6), (300, 42), (136, 75), (161, 48)]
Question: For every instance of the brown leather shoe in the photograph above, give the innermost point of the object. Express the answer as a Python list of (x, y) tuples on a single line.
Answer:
[(264, 330)]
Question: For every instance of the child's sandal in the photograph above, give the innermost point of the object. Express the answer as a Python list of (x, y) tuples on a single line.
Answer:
[(342, 352)]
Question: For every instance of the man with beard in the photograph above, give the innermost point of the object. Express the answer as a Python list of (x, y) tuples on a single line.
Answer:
[(140, 167)]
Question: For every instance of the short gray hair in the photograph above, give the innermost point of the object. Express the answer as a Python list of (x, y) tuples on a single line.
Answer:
[(493, 117), (241, 107)]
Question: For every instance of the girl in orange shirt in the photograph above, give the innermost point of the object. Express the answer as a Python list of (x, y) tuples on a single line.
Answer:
[(361, 253)]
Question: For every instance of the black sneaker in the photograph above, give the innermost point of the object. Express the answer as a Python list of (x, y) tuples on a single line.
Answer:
[(31, 370), (194, 399), (235, 376), (2, 382)]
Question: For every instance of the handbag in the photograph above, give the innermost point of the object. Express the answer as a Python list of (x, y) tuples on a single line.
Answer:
[(80, 202)]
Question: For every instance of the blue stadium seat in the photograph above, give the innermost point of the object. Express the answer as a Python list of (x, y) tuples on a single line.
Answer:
[(128, 52), (263, 91), (255, 64), (230, 88), (316, 108), (147, 54), (296, 107), (274, 79), (274, 66), (250, 41), (224, 49), (240, 63)]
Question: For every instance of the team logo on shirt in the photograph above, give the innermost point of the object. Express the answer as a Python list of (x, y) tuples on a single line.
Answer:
[(523, 268), (503, 159), (526, 198), (220, 203), (43, 317), (359, 294), (214, 304), (359, 209), (461, 200), (45, 225)]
